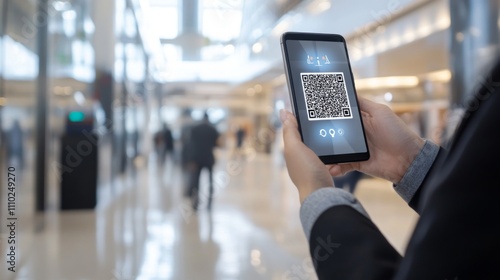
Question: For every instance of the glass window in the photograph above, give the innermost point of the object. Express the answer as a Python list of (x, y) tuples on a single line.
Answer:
[(21, 61)]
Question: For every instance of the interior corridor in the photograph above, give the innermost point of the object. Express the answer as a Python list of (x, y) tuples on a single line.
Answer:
[(148, 231)]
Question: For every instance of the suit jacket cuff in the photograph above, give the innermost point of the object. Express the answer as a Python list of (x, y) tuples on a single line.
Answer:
[(416, 172), (321, 200)]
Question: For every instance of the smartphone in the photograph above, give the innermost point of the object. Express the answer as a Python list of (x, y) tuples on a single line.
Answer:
[(323, 96)]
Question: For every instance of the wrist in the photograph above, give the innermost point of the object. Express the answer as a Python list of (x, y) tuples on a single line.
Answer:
[(417, 171), (306, 192), (406, 159)]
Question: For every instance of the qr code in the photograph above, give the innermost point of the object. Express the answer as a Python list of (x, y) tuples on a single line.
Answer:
[(326, 96)]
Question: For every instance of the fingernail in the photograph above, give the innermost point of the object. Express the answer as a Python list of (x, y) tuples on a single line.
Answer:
[(283, 115)]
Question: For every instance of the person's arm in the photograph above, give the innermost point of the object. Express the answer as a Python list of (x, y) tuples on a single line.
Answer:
[(344, 243), (323, 199), (409, 187), (333, 220)]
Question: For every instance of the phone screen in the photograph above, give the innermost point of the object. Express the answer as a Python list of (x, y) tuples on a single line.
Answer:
[(324, 97)]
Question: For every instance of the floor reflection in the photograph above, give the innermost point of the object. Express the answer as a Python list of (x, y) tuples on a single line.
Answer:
[(144, 228)]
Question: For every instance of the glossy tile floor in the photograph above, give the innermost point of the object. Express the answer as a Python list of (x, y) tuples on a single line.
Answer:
[(143, 228)]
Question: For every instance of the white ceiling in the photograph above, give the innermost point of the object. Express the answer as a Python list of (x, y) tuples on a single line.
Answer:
[(262, 27)]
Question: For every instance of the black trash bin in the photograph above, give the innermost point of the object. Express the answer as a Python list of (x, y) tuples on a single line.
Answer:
[(79, 156)]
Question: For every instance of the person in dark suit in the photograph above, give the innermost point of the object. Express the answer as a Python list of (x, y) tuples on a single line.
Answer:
[(202, 141), (240, 136), (455, 190), (164, 143)]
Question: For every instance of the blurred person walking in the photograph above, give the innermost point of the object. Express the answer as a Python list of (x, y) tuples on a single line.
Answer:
[(185, 132), (203, 138), (14, 145), (239, 136), (164, 143)]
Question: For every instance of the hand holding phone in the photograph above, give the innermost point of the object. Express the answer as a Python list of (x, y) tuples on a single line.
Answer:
[(323, 96)]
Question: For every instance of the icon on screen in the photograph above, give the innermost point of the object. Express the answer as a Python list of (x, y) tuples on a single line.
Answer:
[(320, 60), (332, 132), (325, 59), (322, 132), (310, 59)]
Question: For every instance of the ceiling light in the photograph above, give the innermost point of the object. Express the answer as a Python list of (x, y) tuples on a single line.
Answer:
[(425, 29), (319, 6), (387, 82), (395, 41), (229, 49), (257, 47), (388, 97), (69, 15), (61, 5), (356, 54), (443, 22), (382, 45), (369, 50), (282, 26), (409, 35), (439, 76)]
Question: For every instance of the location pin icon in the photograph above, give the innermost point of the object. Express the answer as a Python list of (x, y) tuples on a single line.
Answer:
[(332, 132)]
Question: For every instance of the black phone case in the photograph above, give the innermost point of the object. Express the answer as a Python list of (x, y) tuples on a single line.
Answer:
[(327, 159)]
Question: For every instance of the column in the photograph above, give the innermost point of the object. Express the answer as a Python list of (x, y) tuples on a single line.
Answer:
[(473, 44)]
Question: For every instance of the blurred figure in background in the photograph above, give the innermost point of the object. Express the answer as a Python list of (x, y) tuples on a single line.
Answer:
[(349, 180), (14, 144), (184, 138), (164, 143), (203, 138), (240, 136)]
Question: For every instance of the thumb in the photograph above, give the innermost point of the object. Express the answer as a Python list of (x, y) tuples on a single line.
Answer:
[(290, 127), (367, 105)]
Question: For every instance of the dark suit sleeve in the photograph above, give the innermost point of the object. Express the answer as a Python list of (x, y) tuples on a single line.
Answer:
[(345, 244), (415, 201), (410, 186), (457, 236)]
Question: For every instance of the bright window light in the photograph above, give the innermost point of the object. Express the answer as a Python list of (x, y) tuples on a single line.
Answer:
[(221, 20), (172, 52), (20, 62), (387, 82), (166, 19), (221, 26)]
